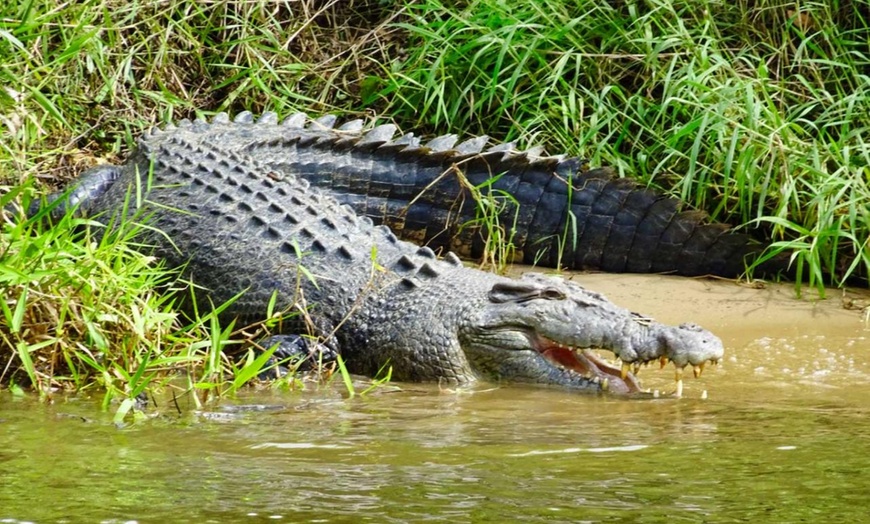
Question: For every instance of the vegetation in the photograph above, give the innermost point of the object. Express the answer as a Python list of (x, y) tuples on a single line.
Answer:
[(755, 111)]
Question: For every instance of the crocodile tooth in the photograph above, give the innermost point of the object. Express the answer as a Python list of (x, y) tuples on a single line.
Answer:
[(697, 369), (442, 143), (295, 121), (678, 378), (245, 117), (268, 118), (624, 372), (635, 368), (605, 384), (379, 135), (324, 122), (221, 118), (352, 126), (663, 361)]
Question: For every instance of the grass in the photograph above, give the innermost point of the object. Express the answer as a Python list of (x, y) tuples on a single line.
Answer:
[(84, 310), (756, 112)]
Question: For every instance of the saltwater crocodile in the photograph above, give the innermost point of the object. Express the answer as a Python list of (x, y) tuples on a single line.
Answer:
[(559, 213), (237, 225)]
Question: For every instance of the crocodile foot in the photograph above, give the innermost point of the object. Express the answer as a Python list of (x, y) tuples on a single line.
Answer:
[(293, 353)]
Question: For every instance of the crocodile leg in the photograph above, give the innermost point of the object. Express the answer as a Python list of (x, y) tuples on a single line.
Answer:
[(293, 352)]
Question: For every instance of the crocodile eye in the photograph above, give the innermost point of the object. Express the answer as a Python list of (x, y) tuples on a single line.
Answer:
[(520, 292), (551, 293)]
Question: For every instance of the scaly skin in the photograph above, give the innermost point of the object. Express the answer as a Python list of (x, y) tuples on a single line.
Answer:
[(421, 192), (238, 225)]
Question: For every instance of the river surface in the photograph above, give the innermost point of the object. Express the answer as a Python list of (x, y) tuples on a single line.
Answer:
[(783, 435)]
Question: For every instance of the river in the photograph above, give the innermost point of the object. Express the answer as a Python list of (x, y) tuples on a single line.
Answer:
[(779, 432)]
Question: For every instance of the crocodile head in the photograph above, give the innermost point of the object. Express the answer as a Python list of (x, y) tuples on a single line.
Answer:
[(541, 329)]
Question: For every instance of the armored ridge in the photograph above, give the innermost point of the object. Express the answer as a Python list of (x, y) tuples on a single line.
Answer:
[(565, 215), (238, 225)]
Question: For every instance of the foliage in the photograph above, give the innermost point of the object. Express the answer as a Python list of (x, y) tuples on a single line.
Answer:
[(754, 111)]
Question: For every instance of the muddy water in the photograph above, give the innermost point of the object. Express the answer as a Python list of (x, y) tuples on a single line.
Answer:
[(783, 436)]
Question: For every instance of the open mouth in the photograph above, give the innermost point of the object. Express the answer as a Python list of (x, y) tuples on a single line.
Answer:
[(590, 365), (613, 379)]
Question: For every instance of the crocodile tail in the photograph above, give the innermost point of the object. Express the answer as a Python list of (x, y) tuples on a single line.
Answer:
[(617, 225)]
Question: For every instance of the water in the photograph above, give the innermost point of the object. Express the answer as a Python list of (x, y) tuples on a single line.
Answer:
[(783, 436)]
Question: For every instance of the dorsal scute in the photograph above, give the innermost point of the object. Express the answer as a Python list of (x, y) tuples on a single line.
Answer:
[(405, 263), (427, 270), (547, 163), (268, 118), (426, 252), (408, 139), (570, 167), (535, 152), (377, 136), (504, 147), (200, 125), (323, 122), (352, 126), (245, 117), (295, 121), (401, 143), (453, 259), (472, 146), (442, 143)]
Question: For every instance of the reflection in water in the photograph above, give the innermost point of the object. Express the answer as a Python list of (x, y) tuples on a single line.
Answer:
[(782, 437), (512, 453)]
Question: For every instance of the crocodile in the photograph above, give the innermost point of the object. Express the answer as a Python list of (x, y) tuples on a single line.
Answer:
[(559, 214), (240, 228)]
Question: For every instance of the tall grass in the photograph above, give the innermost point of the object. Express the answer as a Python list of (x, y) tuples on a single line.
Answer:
[(83, 308), (755, 111), (91, 75)]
